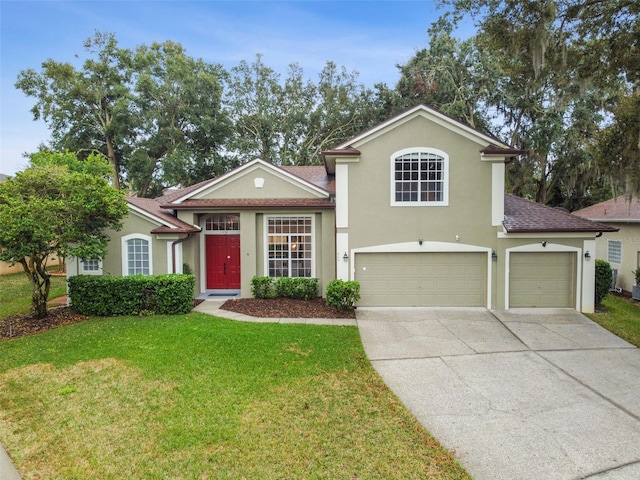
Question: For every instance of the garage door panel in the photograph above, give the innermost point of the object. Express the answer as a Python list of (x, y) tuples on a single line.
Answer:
[(542, 279), (422, 279)]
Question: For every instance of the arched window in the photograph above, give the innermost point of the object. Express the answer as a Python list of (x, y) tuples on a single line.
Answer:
[(420, 176), (136, 255)]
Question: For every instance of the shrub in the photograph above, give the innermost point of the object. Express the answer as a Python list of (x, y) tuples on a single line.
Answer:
[(263, 287), (604, 277), (343, 295), (300, 288), (132, 295), (636, 275)]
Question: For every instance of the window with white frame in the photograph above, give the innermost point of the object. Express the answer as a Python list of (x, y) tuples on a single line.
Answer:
[(91, 267), (290, 246), (420, 176), (614, 253), (136, 255)]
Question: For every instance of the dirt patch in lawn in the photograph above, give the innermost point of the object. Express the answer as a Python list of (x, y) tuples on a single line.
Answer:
[(285, 308)]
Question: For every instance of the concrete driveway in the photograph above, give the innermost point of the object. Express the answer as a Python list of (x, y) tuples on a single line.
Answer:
[(523, 394)]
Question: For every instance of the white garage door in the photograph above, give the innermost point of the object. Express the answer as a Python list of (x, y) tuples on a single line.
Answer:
[(542, 279), (422, 279)]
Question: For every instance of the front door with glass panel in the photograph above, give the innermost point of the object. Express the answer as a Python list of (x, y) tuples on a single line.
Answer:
[(222, 252)]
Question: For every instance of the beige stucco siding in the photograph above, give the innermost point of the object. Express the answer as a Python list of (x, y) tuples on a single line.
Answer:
[(629, 237), (274, 185), (372, 218), (135, 223)]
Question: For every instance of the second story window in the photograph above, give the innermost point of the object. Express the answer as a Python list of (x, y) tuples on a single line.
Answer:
[(419, 177)]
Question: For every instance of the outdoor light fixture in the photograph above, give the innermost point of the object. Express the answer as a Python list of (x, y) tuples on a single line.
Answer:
[(544, 243), (345, 257), (494, 256), (587, 256), (419, 241)]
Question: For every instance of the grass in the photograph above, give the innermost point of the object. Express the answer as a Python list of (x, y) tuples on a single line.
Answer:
[(195, 396), (622, 317), (15, 293)]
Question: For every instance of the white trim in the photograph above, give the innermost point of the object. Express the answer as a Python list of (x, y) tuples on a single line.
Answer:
[(169, 257), (124, 252), (430, 114), (427, 247), (445, 182), (497, 193), (589, 277), (342, 247), (613, 220), (342, 196), (266, 239), (539, 248), (248, 168)]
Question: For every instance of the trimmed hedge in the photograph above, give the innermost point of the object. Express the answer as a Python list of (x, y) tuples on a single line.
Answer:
[(604, 277), (343, 295), (284, 287), (133, 295)]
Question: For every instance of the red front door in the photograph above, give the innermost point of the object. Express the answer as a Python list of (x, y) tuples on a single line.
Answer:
[(223, 261)]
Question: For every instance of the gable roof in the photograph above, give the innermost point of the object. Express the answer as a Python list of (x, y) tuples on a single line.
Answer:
[(614, 210), (192, 193), (151, 209), (482, 138), (523, 216)]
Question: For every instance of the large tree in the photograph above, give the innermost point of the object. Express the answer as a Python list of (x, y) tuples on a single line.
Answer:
[(154, 112), (60, 206)]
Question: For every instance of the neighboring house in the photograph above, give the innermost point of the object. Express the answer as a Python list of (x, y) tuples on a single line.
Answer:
[(621, 249), (414, 209)]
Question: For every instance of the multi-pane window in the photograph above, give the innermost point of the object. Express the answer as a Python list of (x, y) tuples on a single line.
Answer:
[(223, 223), (138, 260), (91, 267), (289, 246), (614, 254), (419, 176)]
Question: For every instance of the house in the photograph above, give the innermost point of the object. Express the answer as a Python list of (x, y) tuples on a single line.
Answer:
[(414, 209), (621, 249)]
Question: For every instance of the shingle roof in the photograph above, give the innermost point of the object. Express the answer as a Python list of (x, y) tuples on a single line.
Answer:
[(315, 174), (613, 210), (171, 224), (523, 216)]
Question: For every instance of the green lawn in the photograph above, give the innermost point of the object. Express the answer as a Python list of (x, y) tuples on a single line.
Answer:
[(622, 317), (15, 293), (195, 396)]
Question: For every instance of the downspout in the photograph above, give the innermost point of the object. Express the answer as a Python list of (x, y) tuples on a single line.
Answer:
[(173, 250)]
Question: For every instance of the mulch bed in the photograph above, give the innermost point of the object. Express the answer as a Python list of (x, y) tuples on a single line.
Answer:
[(285, 308), (20, 325)]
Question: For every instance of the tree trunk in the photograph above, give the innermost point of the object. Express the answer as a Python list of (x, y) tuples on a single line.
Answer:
[(111, 154), (40, 284)]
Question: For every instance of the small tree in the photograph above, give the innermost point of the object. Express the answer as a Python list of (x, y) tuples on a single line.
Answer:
[(604, 277), (60, 206)]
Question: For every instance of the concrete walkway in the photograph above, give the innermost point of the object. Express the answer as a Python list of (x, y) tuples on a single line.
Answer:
[(523, 394)]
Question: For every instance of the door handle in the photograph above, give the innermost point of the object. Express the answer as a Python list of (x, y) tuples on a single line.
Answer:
[(225, 268)]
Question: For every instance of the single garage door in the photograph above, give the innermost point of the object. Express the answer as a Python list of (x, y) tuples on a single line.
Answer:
[(542, 279), (422, 279)]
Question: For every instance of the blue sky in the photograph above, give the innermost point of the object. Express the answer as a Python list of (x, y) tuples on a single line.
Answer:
[(370, 37)]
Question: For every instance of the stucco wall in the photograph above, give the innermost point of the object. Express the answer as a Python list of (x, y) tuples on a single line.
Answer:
[(629, 236)]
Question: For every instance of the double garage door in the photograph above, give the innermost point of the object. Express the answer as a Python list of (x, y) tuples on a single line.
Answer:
[(422, 279)]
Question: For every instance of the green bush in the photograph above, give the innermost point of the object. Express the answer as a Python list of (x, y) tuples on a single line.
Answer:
[(300, 288), (132, 295), (284, 287), (604, 277), (343, 295), (263, 287)]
